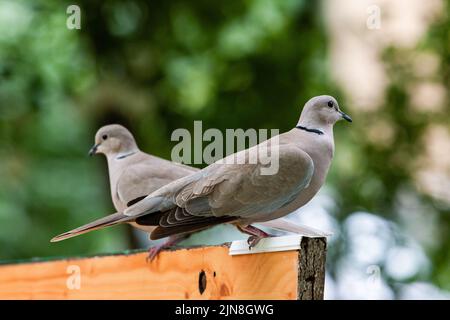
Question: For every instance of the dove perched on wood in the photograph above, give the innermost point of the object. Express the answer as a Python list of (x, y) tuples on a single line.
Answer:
[(134, 174), (235, 191)]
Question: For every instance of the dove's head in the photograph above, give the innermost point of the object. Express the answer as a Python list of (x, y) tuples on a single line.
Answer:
[(321, 111), (113, 139)]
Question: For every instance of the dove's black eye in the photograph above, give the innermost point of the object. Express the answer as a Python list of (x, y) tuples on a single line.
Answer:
[(105, 136), (330, 104)]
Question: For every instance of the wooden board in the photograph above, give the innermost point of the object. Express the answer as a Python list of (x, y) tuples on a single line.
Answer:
[(198, 273)]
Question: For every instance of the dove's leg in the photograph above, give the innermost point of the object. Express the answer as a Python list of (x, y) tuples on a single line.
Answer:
[(255, 235), (171, 241)]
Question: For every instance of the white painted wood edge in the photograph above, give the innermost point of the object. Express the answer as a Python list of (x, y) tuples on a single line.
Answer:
[(272, 244)]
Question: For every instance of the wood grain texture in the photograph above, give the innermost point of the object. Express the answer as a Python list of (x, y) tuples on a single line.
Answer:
[(196, 273), (172, 275), (311, 269)]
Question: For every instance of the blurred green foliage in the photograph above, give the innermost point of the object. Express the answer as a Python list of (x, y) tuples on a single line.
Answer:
[(157, 66)]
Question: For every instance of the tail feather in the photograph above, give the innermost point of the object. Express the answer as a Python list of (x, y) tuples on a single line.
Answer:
[(285, 224), (107, 221)]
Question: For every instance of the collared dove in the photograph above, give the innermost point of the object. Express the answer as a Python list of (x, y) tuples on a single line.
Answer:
[(134, 174), (230, 192)]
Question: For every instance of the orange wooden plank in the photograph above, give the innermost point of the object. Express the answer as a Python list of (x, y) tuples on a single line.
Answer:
[(172, 275)]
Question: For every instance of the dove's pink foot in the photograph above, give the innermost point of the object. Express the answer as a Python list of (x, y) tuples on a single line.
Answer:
[(255, 235), (171, 241)]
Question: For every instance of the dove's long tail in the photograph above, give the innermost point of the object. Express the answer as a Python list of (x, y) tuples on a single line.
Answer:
[(285, 224), (107, 221)]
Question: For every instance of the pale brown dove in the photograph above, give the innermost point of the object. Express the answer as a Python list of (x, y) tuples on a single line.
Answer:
[(134, 174), (228, 191)]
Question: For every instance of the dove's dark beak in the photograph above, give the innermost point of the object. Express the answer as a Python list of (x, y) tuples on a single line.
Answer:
[(93, 150), (345, 116)]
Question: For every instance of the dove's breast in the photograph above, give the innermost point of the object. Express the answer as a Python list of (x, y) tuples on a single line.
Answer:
[(321, 152)]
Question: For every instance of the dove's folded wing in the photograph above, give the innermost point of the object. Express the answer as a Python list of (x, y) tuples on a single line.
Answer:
[(139, 181), (225, 192)]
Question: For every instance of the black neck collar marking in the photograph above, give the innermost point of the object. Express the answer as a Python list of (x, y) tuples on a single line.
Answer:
[(126, 155), (319, 132)]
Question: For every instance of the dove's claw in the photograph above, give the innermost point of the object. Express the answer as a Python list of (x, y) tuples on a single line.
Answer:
[(255, 235), (153, 251), (171, 241), (253, 241)]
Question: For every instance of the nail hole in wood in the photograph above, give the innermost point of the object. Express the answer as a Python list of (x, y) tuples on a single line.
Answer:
[(202, 281), (214, 274)]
